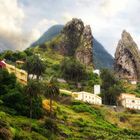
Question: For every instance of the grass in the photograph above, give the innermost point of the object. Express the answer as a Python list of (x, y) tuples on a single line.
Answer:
[(76, 121)]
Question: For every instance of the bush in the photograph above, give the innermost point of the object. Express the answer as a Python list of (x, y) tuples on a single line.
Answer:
[(19, 103), (130, 110), (123, 119), (5, 132), (83, 108), (72, 70), (50, 124), (23, 135), (80, 123)]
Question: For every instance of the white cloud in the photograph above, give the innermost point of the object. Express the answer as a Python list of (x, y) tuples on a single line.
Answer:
[(112, 7), (40, 27), (67, 17), (83, 2), (11, 16), (25, 23), (11, 19)]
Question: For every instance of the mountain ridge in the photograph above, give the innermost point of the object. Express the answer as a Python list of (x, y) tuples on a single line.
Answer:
[(101, 58)]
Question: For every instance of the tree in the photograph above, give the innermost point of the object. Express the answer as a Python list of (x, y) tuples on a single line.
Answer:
[(111, 87), (8, 55), (72, 70), (51, 91), (32, 91), (34, 66), (7, 81), (13, 56)]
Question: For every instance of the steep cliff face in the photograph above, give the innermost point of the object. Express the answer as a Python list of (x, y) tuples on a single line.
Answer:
[(127, 58), (77, 40), (71, 35), (85, 51)]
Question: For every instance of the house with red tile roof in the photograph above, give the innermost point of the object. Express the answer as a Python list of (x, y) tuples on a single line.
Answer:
[(2, 64)]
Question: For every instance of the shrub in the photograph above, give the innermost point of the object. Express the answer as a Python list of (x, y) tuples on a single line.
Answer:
[(22, 135), (132, 111), (50, 124), (84, 108), (123, 119), (5, 132), (65, 117), (80, 123)]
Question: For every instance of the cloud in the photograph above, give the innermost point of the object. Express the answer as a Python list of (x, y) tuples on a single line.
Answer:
[(113, 7), (11, 16), (40, 27), (11, 19), (67, 17), (83, 2), (23, 21), (15, 30)]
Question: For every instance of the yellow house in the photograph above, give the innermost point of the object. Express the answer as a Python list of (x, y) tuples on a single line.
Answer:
[(129, 101), (20, 74)]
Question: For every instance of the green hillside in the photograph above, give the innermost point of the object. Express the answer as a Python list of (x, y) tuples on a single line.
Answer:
[(73, 121), (48, 35), (102, 58)]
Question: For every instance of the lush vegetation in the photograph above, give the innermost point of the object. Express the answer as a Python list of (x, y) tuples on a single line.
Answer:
[(72, 70), (24, 116), (14, 97), (111, 87), (75, 120)]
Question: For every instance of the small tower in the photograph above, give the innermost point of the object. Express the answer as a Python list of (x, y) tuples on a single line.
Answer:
[(97, 89)]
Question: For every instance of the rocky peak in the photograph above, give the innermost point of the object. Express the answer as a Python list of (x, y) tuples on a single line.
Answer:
[(127, 39), (127, 58), (75, 25), (78, 41)]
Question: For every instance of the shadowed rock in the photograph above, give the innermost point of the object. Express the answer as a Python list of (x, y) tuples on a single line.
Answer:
[(127, 58)]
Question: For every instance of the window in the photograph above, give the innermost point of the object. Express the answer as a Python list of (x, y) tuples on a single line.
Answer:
[(75, 95), (133, 101)]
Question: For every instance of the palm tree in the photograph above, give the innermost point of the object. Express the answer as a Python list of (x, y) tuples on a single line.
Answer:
[(32, 90), (51, 91), (38, 67)]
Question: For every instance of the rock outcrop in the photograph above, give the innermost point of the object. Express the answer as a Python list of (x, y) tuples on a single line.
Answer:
[(77, 41), (101, 58), (127, 58), (85, 51)]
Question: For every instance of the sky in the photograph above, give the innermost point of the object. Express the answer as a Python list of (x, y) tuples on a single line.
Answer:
[(24, 21)]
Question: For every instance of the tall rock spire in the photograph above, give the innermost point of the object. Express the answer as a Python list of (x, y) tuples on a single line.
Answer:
[(78, 41), (127, 58)]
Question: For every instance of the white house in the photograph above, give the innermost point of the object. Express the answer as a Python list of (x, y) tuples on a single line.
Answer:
[(87, 97), (97, 71), (133, 82), (97, 89), (129, 101)]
